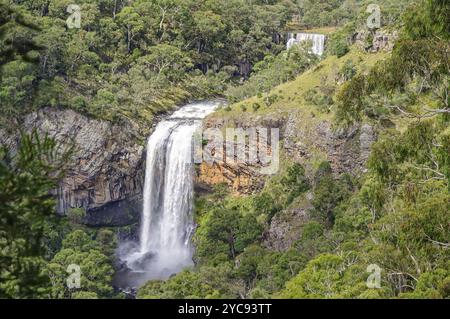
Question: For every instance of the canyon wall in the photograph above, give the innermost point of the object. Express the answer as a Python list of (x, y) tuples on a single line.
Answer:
[(105, 176)]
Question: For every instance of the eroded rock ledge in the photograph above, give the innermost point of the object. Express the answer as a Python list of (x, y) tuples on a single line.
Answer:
[(106, 175), (302, 140), (305, 139)]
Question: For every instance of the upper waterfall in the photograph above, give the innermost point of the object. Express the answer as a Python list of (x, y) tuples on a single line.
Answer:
[(318, 41), (167, 223)]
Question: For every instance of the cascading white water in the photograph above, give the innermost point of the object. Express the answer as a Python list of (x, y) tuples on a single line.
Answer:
[(166, 224), (318, 41)]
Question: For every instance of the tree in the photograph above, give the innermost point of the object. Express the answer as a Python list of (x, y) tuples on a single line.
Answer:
[(130, 20), (25, 205), (166, 60), (95, 273), (16, 83), (326, 276), (223, 226), (225, 232), (186, 284), (328, 193), (79, 249), (10, 20)]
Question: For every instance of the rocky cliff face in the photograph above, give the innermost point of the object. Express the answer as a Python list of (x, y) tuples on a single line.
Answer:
[(106, 175), (305, 141), (375, 41), (286, 227), (241, 177)]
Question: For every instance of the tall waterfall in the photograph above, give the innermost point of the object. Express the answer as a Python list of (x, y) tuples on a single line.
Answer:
[(318, 41), (166, 223)]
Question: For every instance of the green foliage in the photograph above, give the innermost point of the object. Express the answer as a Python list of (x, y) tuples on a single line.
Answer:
[(276, 268), (295, 182), (329, 192), (281, 191), (207, 282), (403, 207), (129, 61), (321, 100), (15, 25), (31, 233), (84, 295), (25, 208), (338, 42), (94, 257), (107, 242), (226, 231), (428, 18), (16, 84), (272, 71), (320, 278), (76, 215), (314, 240), (96, 273), (325, 12), (330, 276), (79, 240), (230, 229), (431, 285), (348, 71), (419, 57)]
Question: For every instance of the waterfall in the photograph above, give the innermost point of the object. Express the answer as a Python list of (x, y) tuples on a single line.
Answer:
[(318, 41), (167, 223)]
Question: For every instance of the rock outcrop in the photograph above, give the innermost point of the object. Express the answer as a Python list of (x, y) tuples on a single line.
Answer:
[(286, 227), (375, 40), (302, 140), (241, 177), (106, 174)]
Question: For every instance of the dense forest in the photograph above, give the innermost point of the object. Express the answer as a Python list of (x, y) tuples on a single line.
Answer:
[(131, 61)]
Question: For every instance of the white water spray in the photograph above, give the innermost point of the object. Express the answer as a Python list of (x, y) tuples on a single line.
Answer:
[(167, 224)]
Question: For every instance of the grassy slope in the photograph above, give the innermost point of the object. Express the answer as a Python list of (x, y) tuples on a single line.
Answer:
[(292, 101), (291, 93)]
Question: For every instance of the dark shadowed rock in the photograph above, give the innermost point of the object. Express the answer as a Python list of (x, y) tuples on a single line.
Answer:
[(106, 172)]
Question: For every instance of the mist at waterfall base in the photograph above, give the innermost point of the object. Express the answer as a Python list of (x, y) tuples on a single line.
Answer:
[(164, 246)]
